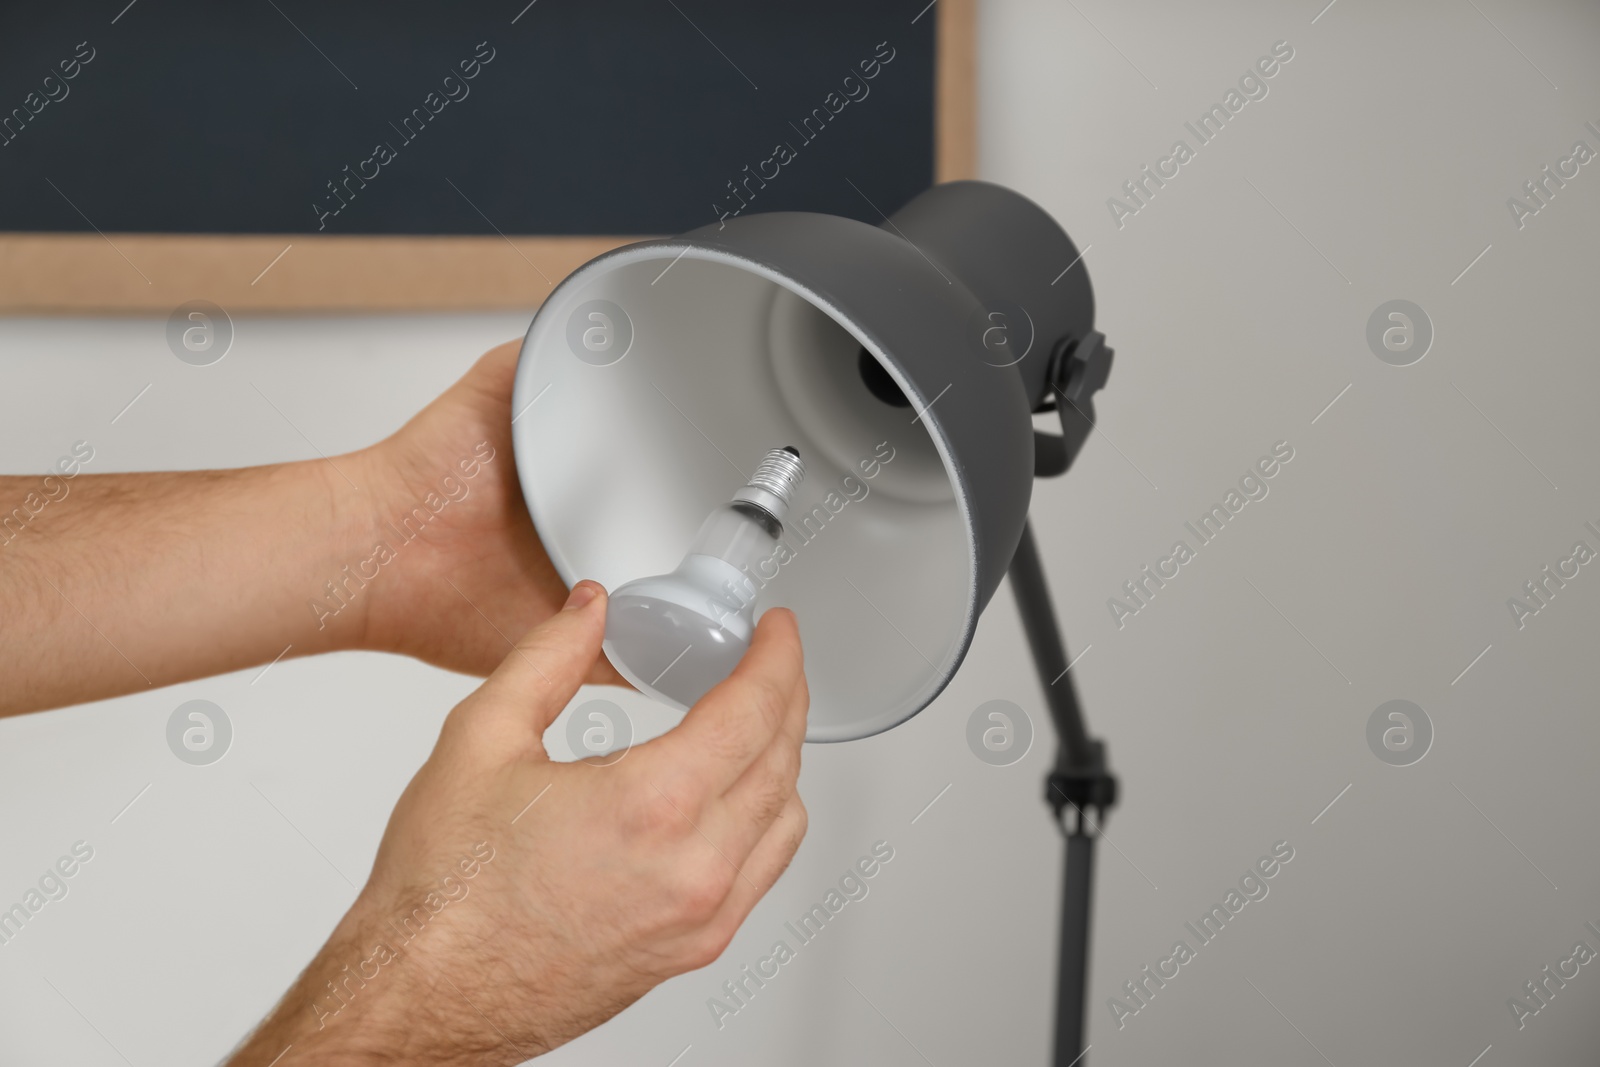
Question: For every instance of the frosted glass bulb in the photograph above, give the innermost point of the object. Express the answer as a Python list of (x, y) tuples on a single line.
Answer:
[(676, 635)]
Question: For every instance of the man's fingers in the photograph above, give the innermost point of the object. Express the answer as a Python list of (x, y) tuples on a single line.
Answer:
[(772, 854), (762, 868), (552, 660), (751, 804), (492, 374), (742, 817), (734, 723)]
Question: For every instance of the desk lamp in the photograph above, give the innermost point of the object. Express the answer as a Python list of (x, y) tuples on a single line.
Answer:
[(837, 418)]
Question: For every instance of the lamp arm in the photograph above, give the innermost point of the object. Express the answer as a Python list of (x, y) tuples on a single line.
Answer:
[(1081, 777)]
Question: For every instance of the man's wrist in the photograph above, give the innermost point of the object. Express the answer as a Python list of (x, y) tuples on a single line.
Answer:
[(365, 524), (359, 491)]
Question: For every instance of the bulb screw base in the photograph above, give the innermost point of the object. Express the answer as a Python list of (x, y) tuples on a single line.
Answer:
[(773, 485)]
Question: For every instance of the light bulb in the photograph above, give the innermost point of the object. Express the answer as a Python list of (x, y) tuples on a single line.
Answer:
[(676, 635)]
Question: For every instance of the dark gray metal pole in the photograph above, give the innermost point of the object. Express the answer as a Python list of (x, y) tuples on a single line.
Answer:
[(1072, 967), (1080, 791)]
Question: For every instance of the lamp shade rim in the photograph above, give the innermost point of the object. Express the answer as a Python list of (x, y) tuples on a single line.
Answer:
[(720, 248)]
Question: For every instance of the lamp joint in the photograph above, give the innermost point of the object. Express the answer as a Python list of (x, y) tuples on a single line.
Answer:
[(1081, 790), (1079, 368)]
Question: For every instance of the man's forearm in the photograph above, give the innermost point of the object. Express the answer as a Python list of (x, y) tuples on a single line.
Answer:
[(356, 1004), (113, 583)]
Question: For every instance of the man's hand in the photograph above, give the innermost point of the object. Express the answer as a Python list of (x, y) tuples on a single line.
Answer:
[(475, 572), (516, 903)]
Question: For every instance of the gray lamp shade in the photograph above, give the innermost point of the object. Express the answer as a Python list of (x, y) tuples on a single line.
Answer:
[(656, 376)]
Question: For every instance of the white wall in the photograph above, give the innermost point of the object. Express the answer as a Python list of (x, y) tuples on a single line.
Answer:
[(1413, 508)]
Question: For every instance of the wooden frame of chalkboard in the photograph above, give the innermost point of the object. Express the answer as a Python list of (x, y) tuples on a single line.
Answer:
[(118, 271)]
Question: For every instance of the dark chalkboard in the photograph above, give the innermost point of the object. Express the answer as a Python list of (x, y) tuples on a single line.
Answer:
[(556, 118)]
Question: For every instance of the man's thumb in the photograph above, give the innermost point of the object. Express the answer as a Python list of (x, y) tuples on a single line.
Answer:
[(545, 669)]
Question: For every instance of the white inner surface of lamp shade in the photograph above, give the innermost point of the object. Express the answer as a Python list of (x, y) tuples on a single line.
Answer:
[(620, 463)]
